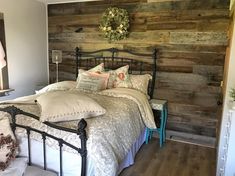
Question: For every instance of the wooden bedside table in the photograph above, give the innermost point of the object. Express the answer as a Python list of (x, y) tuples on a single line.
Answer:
[(158, 105)]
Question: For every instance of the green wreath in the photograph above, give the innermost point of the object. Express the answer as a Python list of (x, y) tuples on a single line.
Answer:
[(114, 24)]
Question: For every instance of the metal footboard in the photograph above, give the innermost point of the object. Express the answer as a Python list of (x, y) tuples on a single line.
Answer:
[(14, 111)]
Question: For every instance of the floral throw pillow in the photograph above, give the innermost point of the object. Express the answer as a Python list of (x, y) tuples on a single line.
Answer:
[(97, 69), (8, 145), (119, 78)]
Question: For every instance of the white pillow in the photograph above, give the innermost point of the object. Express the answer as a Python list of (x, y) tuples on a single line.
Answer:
[(64, 85), (16, 168), (67, 105)]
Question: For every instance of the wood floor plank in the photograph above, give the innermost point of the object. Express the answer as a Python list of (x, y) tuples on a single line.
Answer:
[(173, 159)]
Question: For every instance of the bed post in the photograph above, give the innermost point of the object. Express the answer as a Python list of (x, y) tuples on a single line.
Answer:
[(77, 58), (13, 111), (154, 71), (82, 135)]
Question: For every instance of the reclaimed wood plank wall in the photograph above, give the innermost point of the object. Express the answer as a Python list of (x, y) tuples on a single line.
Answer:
[(190, 35)]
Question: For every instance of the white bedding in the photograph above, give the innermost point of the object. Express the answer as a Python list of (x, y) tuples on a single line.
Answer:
[(73, 168), (110, 137)]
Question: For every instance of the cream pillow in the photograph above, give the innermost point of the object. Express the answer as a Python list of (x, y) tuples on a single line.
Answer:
[(140, 82), (60, 106), (64, 85)]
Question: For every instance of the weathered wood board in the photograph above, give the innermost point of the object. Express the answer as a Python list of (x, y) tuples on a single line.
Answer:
[(191, 37)]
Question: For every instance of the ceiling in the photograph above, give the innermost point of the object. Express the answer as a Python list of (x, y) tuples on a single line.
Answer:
[(63, 1)]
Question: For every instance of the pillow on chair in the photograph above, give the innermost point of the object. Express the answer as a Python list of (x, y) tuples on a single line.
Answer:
[(8, 146), (16, 168)]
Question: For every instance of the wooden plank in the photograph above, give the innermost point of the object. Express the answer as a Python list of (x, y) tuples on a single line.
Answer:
[(164, 84), (74, 19), (196, 58), (193, 111), (194, 15), (208, 70), (180, 48), (182, 78), (214, 38), (189, 25), (213, 73), (99, 7), (173, 25), (188, 97), (83, 46), (134, 37), (190, 128), (204, 122)]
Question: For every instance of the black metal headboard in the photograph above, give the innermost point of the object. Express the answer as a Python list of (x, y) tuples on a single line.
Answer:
[(114, 58)]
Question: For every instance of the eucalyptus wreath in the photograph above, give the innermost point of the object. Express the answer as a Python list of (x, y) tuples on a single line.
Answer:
[(232, 93), (114, 24)]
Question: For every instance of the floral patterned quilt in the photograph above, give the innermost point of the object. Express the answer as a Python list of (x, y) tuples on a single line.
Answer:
[(110, 136)]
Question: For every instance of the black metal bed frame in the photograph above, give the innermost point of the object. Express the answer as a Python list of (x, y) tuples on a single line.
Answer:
[(14, 111), (135, 65)]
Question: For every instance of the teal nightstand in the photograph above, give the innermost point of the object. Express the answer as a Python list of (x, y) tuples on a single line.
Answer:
[(158, 105)]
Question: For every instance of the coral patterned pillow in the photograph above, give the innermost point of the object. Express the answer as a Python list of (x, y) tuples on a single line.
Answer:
[(8, 146), (119, 78)]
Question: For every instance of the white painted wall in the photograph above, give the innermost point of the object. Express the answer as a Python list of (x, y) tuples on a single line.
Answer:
[(229, 82), (26, 43)]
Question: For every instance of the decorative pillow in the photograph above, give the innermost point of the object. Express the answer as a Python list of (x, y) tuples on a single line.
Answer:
[(140, 82), (98, 69), (8, 146), (89, 81), (64, 85), (16, 168), (67, 106), (119, 78)]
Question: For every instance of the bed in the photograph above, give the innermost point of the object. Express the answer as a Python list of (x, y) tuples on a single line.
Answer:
[(102, 145)]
